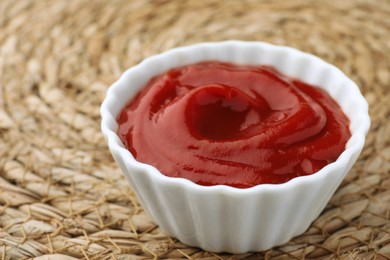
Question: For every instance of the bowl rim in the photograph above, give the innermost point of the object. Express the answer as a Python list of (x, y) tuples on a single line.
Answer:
[(108, 122)]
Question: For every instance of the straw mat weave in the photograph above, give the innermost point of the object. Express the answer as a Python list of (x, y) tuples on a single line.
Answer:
[(62, 196)]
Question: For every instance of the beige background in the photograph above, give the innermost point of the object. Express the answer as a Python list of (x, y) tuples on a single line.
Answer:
[(60, 192)]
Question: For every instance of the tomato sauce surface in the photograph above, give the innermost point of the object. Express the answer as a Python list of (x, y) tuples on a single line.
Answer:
[(217, 123)]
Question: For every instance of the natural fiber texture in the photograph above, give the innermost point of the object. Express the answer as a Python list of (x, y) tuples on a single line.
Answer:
[(61, 194)]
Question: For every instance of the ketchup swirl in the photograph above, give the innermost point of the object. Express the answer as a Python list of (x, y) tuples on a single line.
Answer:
[(219, 123)]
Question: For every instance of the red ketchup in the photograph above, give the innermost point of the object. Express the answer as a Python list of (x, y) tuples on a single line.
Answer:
[(219, 123)]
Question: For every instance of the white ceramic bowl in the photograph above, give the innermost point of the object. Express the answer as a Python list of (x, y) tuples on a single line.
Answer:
[(222, 218)]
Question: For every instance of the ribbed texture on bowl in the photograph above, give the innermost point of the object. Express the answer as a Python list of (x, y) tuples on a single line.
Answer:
[(223, 218)]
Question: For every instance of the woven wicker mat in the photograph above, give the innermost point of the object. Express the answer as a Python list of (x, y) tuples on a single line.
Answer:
[(62, 196)]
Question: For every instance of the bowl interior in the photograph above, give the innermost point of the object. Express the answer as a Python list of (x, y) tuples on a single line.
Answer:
[(291, 62)]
